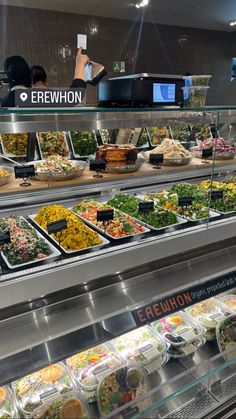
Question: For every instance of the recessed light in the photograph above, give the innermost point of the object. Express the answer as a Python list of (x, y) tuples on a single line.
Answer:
[(142, 3), (233, 23)]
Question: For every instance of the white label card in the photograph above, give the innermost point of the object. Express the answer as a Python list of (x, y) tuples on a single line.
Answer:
[(82, 41)]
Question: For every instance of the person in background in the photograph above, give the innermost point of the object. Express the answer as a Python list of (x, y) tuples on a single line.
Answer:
[(20, 76), (39, 77)]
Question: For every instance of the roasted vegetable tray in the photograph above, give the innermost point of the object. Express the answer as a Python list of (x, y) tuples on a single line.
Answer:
[(54, 252), (119, 217), (103, 240)]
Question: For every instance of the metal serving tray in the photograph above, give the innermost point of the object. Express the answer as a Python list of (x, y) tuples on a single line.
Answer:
[(76, 155), (43, 157), (55, 252), (146, 230), (69, 252)]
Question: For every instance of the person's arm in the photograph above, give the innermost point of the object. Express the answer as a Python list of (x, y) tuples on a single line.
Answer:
[(79, 77)]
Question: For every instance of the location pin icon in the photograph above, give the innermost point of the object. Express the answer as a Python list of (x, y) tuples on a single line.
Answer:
[(24, 96)]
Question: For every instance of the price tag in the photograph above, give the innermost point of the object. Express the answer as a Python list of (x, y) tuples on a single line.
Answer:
[(101, 370), (57, 226), (5, 237), (189, 349), (187, 334), (156, 158), (217, 195), (97, 165), (48, 394), (185, 201), (24, 172), (207, 152), (130, 412), (148, 351), (105, 215), (146, 206)]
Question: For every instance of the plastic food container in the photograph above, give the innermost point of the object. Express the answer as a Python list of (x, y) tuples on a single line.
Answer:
[(195, 97), (121, 387), (209, 314), (143, 346), (7, 406), (177, 352), (66, 406), (226, 337), (83, 143), (228, 301), (90, 366), (51, 143), (179, 329), (200, 80), (33, 390)]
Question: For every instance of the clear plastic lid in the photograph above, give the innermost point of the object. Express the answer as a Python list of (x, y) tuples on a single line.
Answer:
[(120, 391), (142, 345), (177, 352), (66, 406), (90, 366), (179, 329), (208, 313), (226, 336), (7, 407), (33, 390), (229, 301)]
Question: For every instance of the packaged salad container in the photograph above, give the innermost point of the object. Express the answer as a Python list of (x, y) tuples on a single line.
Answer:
[(33, 390), (228, 301), (7, 405), (119, 392), (179, 329), (143, 346), (66, 406), (90, 366), (177, 352), (226, 338), (209, 314), (51, 143)]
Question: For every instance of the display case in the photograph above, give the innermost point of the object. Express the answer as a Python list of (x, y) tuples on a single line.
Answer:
[(88, 258)]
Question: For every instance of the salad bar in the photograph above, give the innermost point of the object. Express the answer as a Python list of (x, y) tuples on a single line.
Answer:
[(118, 293)]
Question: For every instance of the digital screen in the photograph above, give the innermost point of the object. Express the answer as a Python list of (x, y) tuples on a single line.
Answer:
[(164, 92)]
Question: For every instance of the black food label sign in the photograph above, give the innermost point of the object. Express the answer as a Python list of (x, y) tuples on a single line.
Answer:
[(57, 226), (5, 237), (217, 195), (156, 158), (185, 201), (24, 172), (146, 206), (207, 152), (97, 165), (105, 215)]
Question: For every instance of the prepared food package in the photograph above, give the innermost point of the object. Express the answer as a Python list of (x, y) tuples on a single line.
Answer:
[(143, 346), (226, 338), (14, 145), (228, 301), (7, 405), (39, 387), (84, 143), (156, 219), (179, 329), (90, 366), (26, 245), (71, 405), (209, 314), (121, 226), (122, 387), (51, 143)]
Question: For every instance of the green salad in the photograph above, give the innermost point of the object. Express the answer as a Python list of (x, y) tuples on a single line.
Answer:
[(158, 218), (25, 245), (84, 142), (199, 194)]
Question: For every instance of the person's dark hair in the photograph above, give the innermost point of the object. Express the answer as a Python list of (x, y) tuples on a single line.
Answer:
[(38, 74), (18, 71)]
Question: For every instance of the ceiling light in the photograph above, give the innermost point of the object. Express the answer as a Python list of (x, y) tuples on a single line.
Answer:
[(233, 23), (142, 3)]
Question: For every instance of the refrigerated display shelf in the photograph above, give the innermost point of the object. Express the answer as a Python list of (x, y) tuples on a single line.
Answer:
[(196, 408)]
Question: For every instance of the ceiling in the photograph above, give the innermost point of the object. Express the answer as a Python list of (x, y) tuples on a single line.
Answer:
[(208, 14)]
